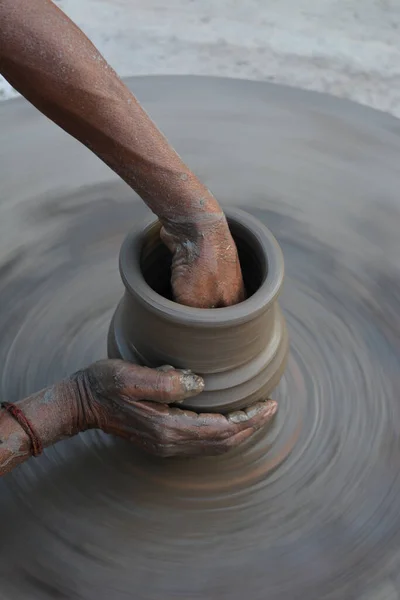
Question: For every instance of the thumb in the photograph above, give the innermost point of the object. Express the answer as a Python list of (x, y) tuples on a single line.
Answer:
[(169, 240), (166, 384)]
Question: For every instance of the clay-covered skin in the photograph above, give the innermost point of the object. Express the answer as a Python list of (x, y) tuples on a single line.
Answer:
[(130, 402), (48, 59)]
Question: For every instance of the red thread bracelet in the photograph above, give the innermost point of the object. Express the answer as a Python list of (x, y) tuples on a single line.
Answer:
[(14, 411)]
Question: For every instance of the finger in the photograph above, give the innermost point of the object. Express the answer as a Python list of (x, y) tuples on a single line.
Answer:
[(243, 425), (217, 426), (220, 428), (164, 386), (214, 424), (166, 368), (235, 440), (183, 432), (255, 416)]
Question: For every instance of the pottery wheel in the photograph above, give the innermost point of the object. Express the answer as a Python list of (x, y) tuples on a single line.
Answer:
[(310, 510)]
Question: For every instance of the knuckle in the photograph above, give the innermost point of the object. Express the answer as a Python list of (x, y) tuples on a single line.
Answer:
[(164, 384)]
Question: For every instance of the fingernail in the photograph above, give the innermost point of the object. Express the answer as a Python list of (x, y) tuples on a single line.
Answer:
[(237, 417), (260, 407), (165, 368), (272, 405), (253, 410), (192, 384)]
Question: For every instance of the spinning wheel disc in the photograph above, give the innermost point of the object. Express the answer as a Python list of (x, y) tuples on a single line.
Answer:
[(311, 509)]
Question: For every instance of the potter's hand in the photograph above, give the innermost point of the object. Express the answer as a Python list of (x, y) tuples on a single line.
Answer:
[(206, 271), (132, 402), (128, 401)]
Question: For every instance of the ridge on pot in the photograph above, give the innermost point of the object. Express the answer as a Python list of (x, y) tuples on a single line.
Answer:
[(240, 350)]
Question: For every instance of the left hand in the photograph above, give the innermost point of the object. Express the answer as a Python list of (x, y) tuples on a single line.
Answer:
[(132, 402)]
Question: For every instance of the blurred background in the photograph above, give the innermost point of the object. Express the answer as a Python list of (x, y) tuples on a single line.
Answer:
[(347, 48)]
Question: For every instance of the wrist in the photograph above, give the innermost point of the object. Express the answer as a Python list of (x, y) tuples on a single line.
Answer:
[(52, 412), (191, 208), (87, 413), (198, 225)]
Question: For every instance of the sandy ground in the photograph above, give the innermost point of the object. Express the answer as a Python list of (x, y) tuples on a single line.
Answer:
[(345, 47)]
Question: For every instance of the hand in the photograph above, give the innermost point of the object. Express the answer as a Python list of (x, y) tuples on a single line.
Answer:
[(206, 271), (132, 402)]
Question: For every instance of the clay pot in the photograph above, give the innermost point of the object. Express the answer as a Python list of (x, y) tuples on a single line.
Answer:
[(239, 350)]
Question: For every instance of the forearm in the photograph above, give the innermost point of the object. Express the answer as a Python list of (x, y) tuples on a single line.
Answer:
[(53, 414), (52, 63)]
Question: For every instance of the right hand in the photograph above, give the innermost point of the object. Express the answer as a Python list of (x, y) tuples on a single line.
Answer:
[(206, 271), (132, 402)]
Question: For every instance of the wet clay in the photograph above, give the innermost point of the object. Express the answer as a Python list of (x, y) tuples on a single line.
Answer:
[(309, 510), (240, 351)]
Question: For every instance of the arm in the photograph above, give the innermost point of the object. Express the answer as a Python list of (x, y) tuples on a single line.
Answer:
[(53, 417), (53, 64), (130, 402), (48, 59)]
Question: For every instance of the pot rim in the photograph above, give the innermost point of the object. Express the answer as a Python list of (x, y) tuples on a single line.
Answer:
[(260, 301)]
